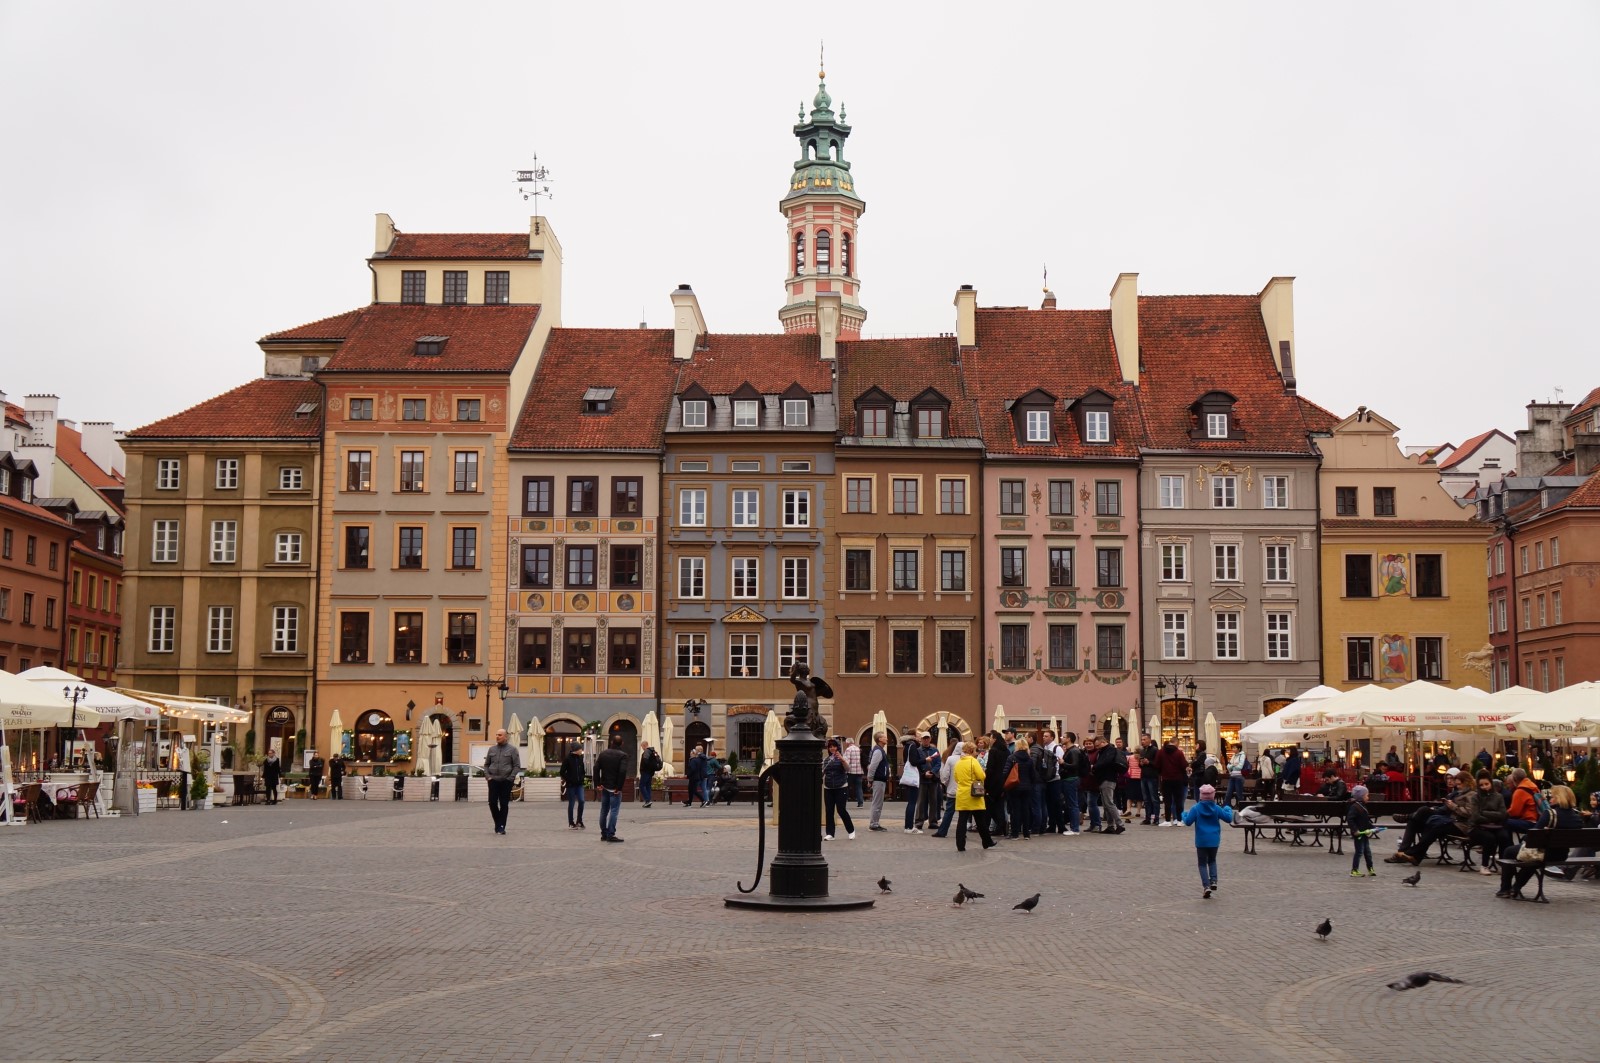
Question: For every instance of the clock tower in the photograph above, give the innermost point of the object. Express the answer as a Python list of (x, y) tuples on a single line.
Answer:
[(821, 211)]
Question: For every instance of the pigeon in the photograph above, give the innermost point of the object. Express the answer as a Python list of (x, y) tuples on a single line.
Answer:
[(1028, 905), (1421, 978), (959, 899), (972, 895), (1413, 878), (883, 885), (1325, 928)]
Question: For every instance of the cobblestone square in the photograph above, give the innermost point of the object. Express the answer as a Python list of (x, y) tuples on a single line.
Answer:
[(366, 930)]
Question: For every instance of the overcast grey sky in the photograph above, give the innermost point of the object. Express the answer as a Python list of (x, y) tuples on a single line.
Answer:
[(182, 178)]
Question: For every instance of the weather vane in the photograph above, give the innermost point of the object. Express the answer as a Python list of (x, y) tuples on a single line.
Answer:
[(535, 182)]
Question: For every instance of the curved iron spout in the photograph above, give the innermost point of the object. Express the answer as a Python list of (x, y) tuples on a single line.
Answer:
[(761, 828)]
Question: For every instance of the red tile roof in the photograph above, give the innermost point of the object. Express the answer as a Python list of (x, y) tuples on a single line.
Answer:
[(1364, 523), (16, 413), (486, 339), (1465, 450), (636, 362), (69, 448), (768, 361), (1067, 353), (37, 512), (1587, 496), (261, 409), (458, 245), (1587, 403), (904, 369), (329, 329), (1192, 344)]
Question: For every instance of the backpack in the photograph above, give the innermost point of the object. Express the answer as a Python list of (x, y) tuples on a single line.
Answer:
[(1044, 764), (1122, 762), (881, 773), (1543, 817), (652, 763)]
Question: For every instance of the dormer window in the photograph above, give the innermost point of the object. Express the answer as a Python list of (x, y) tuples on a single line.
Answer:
[(694, 413), (873, 408), (796, 407), (1031, 417), (430, 346), (929, 412), (599, 400), (1093, 415), (746, 407), (1214, 417), (1038, 426)]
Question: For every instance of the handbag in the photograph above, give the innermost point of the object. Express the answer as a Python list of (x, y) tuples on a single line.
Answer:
[(1012, 778), (1527, 854), (909, 776), (977, 789)]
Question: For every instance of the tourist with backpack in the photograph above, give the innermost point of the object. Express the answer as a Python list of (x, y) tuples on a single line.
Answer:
[(649, 765), (1044, 775), (1523, 811)]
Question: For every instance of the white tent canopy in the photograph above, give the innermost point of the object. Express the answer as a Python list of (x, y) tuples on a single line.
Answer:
[(1566, 713), (25, 705), (1419, 705), (98, 705), (182, 707), (1302, 714)]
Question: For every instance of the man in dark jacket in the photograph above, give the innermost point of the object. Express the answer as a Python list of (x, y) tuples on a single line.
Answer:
[(610, 773), (501, 764), (336, 778), (1173, 768), (994, 782), (1073, 765), (1149, 780), (649, 765), (695, 769), (1109, 764)]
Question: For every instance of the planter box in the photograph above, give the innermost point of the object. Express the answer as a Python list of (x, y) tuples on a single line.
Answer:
[(418, 789), (478, 789), (537, 789), (147, 801)]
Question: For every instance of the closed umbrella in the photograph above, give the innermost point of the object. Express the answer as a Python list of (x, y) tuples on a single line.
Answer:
[(941, 734), (535, 761), (880, 724), (335, 735), (1115, 730), (999, 717), (514, 729), (667, 728), (1133, 725), (1213, 737), (435, 748), (771, 731), (651, 735)]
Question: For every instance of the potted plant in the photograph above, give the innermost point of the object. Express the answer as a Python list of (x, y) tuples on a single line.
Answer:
[(199, 789)]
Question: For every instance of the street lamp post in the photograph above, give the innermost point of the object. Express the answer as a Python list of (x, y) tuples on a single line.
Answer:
[(491, 685), (75, 694), (1185, 683)]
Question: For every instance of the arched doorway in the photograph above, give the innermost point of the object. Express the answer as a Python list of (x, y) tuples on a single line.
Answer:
[(630, 742), (955, 725), (697, 733), (374, 736), (447, 736), (279, 725), (560, 735)]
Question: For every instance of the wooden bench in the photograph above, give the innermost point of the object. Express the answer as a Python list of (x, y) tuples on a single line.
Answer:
[(1318, 818), (1559, 838), (677, 789)]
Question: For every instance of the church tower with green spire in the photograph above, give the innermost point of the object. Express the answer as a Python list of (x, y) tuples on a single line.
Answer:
[(822, 210)]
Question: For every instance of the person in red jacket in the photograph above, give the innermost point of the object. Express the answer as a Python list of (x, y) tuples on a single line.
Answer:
[(1173, 767), (1522, 813)]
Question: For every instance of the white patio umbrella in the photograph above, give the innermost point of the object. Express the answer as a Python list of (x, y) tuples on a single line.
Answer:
[(771, 731), (651, 732), (667, 728), (1133, 725), (999, 717), (514, 731), (1553, 716), (1582, 700), (1116, 726), (25, 705), (98, 705), (1213, 737), (335, 735), (1305, 714), (535, 758), (880, 725), (941, 733)]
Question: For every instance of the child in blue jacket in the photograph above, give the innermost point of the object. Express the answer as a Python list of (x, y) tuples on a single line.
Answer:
[(1206, 818)]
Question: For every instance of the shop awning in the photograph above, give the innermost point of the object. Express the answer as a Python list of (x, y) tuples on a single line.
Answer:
[(179, 707), (98, 705)]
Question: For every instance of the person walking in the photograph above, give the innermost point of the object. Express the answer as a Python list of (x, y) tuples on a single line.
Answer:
[(911, 783), (572, 785), (1358, 821), (971, 781), (835, 788), (852, 769), (1207, 818), (1172, 767), (501, 765), (1073, 764), (1150, 780), (1109, 764), (994, 782), (947, 780), (271, 775), (336, 778), (930, 793), (181, 761), (1019, 797), (878, 772), (314, 770), (649, 765), (695, 769), (610, 775)]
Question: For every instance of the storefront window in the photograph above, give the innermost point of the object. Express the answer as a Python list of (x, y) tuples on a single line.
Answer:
[(374, 736)]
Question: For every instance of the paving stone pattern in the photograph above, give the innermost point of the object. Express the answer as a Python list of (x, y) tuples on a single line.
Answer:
[(385, 931)]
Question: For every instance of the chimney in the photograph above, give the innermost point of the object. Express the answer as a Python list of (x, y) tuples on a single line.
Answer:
[(829, 307), (40, 411), (688, 324), (1277, 313), (100, 444), (383, 239), (967, 316), (1125, 324), (1049, 302)]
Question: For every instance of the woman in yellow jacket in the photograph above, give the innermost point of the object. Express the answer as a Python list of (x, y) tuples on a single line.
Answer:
[(969, 770)]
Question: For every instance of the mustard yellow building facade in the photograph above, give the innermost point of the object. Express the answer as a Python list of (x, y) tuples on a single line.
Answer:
[(1404, 585)]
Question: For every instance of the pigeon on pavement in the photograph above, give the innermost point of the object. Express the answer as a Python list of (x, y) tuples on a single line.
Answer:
[(972, 895), (1421, 978), (1413, 878), (959, 899), (1028, 905), (1325, 928), (883, 885)]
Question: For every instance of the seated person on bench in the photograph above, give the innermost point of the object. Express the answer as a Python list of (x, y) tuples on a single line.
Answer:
[(1563, 806), (1418, 820), (1333, 787), (1474, 814), (727, 785), (1524, 813)]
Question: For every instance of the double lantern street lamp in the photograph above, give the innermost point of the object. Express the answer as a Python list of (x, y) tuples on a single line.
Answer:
[(75, 694), (490, 684), (1186, 684)]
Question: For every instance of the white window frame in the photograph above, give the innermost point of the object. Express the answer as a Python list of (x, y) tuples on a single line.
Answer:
[(291, 478), (1170, 492), (744, 507), (1275, 492), (1174, 636), (692, 578), (1277, 563), (1038, 426), (797, 509), (796, 577), (219, 629), (694, 413), (169, 475), (288, 548), (1174, 562), (692, 507), (164, 542), (1224, 492), (744, 648), (1225, 563), (1280, 635), (1216, 426), (1097, 426), (695, 643), (163, 628), (1226, 624), (746, 578), (227, 474), (746, 413), (224, 542), (286, 629), (793, 647), (796, 413)]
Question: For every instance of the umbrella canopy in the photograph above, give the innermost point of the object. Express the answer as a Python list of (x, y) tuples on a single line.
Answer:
[(183, 707), (99, 705), (651, 734), (1583, 699), (1565, 713), (1213, 736), (999, 717), (771, 731), (1302, 715), (1133, 725), (24, 705), (335, 734), (880, 725), (1417, 705), (941, 734), (1320, 693), (535, 761), (1115, 731), (667, 728), (514, 729)]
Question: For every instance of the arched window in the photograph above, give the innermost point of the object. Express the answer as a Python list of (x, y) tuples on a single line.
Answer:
[(374, 737), (845, 265), (824, 250), (812, 146), (799, 252)]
